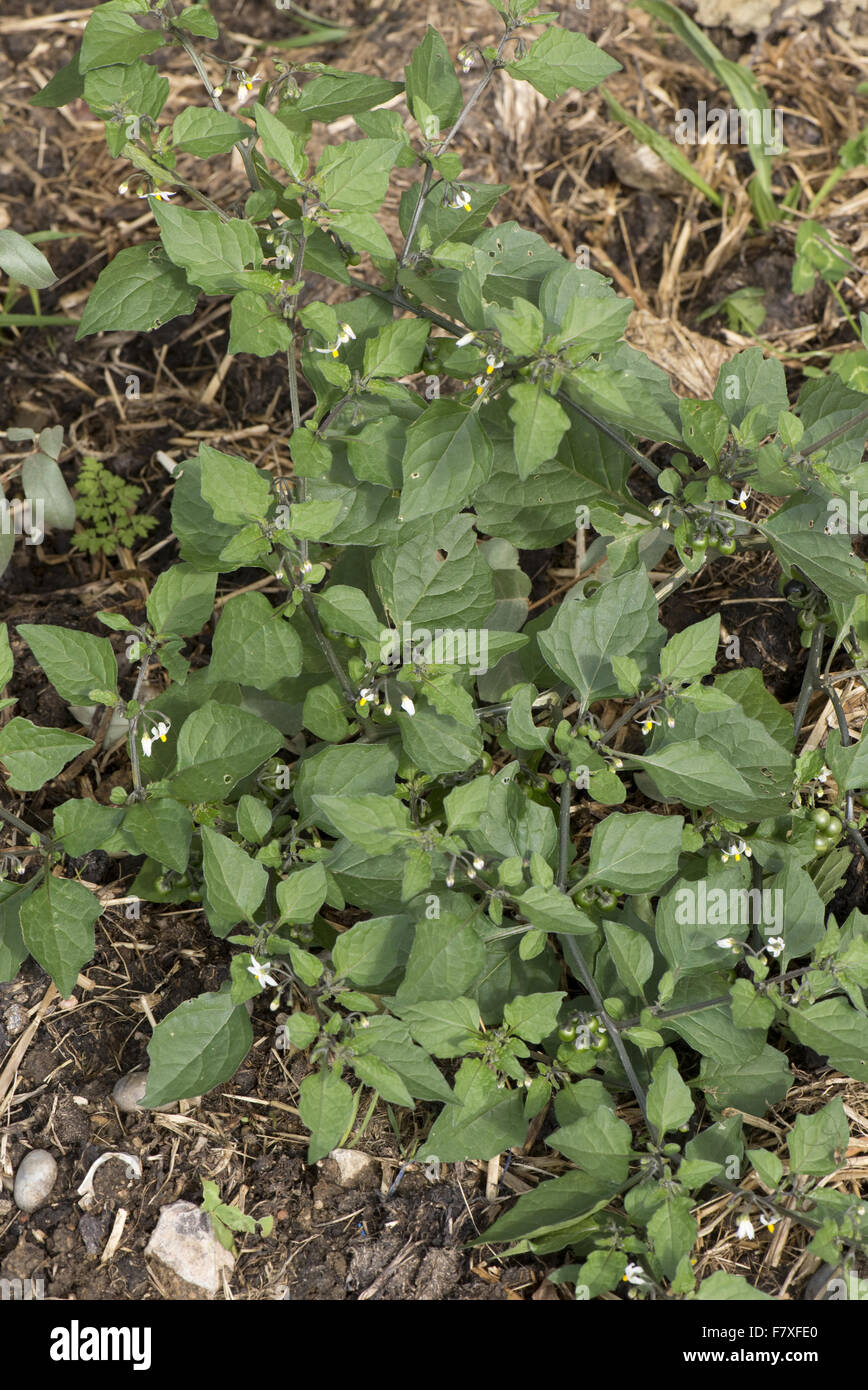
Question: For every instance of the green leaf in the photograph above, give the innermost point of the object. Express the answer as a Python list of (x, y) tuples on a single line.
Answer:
[(370, 951), (253, 644), (397, 348), (42, 481), (213, 252), (324, 712), (302, 894), (631, 955), (672, 1231), (635, 853), (182, 600), (22, 261), (204, 131), (798, 538), (113, 36), (438, 744), (540, 425), (57, 926), (447, 457), (485, 1120), (253, 818), (769, 1168), (280, 143), (218, 745), (432, 86), (390, 1042), (83, 825), (337, 93), (355, 175), (417, 585), (353, 770), (74, 662), (549, 910), (752, 1086), (561, 60), (234, 489), (692, 652), (257, 328), (749, 1008), (7, 665), (163, 829), (234, 883), (326, 1109), (348, 610), (139, 290), (32, 755), (599, 1143), (835, 1030), (519, 721), (376, 823), (533, 1016), (557, 1203), (197, 19), (443, 1027), (670, 1104), (446, 956), (65, 86), (12, 948), (196, 1047), (620, 620), (729, 1288)]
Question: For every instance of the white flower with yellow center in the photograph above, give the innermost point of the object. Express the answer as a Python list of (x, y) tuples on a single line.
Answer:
[(161, 195), (741, 500), (635, 1274), (736, 850), (158, 731), (775, 946), (493, 363), (460, 199), (259, 971)]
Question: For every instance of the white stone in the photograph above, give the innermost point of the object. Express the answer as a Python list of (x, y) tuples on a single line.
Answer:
[(352, 1166), (128, 1092), (36, 1176), (185, 1243)]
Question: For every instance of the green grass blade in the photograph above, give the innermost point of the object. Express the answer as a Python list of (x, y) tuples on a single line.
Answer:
[(662, 147)]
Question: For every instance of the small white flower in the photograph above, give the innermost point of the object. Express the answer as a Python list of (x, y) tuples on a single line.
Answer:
[(450, 880), (466, 59), (218, 91), (123, 189), (735, 851), (478, 862), (635, 1274), (745, 1230), (407, 705), (741, 500), (823, 774), (162, 195), (467, 338), (346, 333), (460, 199), (259, 971), (479, 383), (368, 696), (387, 709), (148, 740), (306, 567), (657, 509), (647, 721), (247, 83), (492, 363), (726, 943), (775, 946)]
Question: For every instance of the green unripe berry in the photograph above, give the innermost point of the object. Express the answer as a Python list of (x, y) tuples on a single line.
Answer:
[(567, 1032), (821, 819), (822, 845), (834, 828)]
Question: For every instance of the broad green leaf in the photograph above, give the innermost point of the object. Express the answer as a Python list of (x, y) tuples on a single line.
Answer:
[(540, 425), (302, 894), (552, 911), (197, 19), (280, 143), (139, 290), (798, 537), (752, 1086), (834, 1029), (13, 951), (113, 36), (74, 662), (559, 1202), (533, 1016), (370, 951), (256, 327), (348, 610), (749, 380), (692, 652), (42, 481), (439, 744), (6, 662), (57, 925), (326, 1109), (33, 755), (182, 600), (599, 1143), (397, 348), (433, 88), (201, 539), (376, 823), (253, 644), (204, 131), (24, 262), (254, 819), (350, 771), (635, 853), (620, 620), (417, 585), (218, 745), (325, 712), (65, 86), (337, 93), (213, 252), (233, 488), (446, 956), (631, 955), (355, 175), (485, 1120), (83, 825), (234, 883), (729, 1288), (561, 60), (389, 1041), (672, 1231), (161, 828), (447, 457), (817, 1143), (443, 1027), (195, 1047), (670, 1104), (769, 1167)]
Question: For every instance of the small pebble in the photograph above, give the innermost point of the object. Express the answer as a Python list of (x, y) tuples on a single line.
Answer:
[(15, 1019), (36, 1176), (128, 1092)]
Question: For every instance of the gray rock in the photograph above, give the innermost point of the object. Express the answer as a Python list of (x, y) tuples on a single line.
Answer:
[(185, 1243), (128, 1092), (15, 1019), (36, 1176), (351, 1168)]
